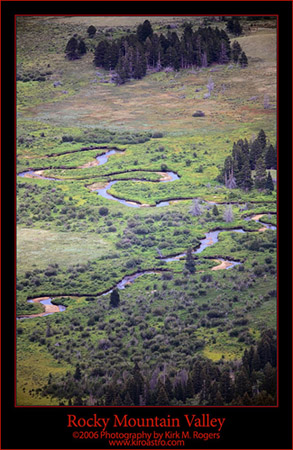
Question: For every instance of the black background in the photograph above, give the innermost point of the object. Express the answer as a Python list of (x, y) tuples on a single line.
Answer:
[(245, 428)]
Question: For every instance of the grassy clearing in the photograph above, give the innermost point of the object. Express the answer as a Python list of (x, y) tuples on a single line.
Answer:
[(38, 248)]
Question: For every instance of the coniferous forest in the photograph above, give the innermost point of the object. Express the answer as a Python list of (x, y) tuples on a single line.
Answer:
[(132, 55), (147, 168)]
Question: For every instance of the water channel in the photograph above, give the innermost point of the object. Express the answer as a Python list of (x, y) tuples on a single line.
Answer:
[(210, 238)]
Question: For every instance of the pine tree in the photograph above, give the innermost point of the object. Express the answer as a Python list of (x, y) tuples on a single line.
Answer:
[(189, 263), (271, 158), (234, 27), (144, 31), (219, 401), (223, 54), (236, 51), (196, 375), (91, 31), (114, 298), (256, 152), (262, 139), (215, 210), (260, 174), (77, 374), (269, 182), (128, 400), (162, 397), (242, 383), (100, 53), (81, 47), (245, 179), (226, 388), (243, 61), (71, 49)]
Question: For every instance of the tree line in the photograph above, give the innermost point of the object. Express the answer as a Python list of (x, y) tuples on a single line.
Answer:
[(131, 55), (259, 156), (249, 382)]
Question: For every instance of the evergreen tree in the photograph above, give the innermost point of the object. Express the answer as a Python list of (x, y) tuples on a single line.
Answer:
[(71, 49), (114, 298), (100, 53), (215, 210), (81, 48), (243, 61), (269, 183), (189, 388), (144, 31), (91, 31), (77, 373), (245, 179), (256, 152), (189, 263), (234, 27), (219, 401), (269, 383), (262, 139), (139, 69), (168, 387), (162, 397), (236, 51), (226, 388), (196, 375), (223, 57), (260, 174), (242, 383), (271, 158)]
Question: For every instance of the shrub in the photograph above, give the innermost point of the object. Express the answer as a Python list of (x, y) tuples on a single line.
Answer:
[(112, 229), (103, 211), (198, 113)]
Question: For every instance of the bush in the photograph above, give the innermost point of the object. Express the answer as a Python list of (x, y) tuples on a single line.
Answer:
[(103, 211), (198, 113)]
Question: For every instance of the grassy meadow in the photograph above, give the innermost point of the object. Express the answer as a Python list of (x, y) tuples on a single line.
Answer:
[(75, 245)]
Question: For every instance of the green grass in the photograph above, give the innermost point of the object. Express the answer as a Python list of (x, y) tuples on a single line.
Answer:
[(66, 246), (38, 248)]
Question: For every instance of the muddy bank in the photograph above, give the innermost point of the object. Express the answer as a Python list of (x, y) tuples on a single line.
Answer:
[(50, 308)]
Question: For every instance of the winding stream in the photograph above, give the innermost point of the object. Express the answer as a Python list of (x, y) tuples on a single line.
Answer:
[(210, 238), (103, 192)]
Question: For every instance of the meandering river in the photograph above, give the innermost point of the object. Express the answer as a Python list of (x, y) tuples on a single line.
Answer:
[(210, 238)]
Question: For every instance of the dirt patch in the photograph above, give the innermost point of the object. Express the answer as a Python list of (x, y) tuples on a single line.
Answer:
[(34, 175), (257, 217), (49, 309), (222, 264), (165, 176), (89, 164), (96, 186)]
